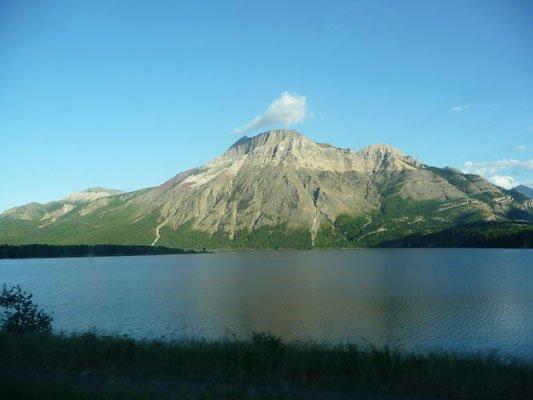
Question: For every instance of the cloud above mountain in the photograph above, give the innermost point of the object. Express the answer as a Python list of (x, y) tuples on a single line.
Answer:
[(289, 109), (491, 167), (507, 182), (498, 172)]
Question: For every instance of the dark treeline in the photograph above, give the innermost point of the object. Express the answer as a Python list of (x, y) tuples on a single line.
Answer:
[(485, 234), (100, 250)]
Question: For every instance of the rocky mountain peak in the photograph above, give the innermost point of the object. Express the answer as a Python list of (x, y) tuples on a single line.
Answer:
[(382, 156), (278, 135), (380, 151), (271, 138), (241, 146), (290, 147)]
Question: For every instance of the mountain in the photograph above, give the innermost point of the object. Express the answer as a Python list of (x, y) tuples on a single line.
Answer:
[(277, 189), (525, 190), (51, 211)]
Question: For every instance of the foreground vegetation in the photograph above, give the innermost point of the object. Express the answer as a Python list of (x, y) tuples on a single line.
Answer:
[(266, 360)]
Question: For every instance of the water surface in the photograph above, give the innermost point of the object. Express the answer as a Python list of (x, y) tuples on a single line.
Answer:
[(414, 299)]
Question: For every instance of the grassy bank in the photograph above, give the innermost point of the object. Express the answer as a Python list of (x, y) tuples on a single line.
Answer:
[(266, 360)]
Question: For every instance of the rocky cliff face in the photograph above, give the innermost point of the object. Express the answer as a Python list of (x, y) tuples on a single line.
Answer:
[(281, 178)]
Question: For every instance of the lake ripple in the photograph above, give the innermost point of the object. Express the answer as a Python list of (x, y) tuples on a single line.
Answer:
[(413, 299)]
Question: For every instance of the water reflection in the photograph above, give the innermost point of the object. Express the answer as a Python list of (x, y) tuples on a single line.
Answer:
[(409, 298)]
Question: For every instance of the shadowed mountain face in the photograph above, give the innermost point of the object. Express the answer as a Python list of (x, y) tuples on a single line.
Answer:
[(277, 189), (525, 190)]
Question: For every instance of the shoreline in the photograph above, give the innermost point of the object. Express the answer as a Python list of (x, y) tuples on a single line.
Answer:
[(43, 251), (26, 251)]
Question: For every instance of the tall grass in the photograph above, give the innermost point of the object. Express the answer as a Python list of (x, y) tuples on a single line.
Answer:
[(266, 359)]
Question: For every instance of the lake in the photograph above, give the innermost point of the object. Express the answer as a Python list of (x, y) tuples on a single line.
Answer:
[(412, 299)]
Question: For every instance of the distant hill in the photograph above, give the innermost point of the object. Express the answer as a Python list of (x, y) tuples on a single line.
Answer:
[(51, 211), (277, 190), (525, 190)]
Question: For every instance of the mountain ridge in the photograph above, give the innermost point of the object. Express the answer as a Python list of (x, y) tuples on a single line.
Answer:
[(525, 190), (50, 209), (280, 189)]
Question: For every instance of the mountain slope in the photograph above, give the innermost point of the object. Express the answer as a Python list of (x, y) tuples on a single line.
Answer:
[(280, 189), (55, 209), (525, 190)]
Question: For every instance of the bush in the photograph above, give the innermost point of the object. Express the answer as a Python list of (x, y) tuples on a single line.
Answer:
[(267, 341), (20, 314)]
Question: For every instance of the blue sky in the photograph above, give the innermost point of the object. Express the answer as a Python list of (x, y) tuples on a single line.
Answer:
[(126, 94)]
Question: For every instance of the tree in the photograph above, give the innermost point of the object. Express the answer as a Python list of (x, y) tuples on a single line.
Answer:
[(20, 314)]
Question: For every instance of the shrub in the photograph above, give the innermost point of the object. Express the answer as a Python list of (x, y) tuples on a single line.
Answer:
[(267, 341), (20, 314)]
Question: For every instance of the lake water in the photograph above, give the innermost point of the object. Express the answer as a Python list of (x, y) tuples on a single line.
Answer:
[(413, 299)]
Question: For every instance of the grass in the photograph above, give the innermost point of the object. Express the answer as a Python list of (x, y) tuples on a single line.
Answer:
[(266, 360), (25, 392)]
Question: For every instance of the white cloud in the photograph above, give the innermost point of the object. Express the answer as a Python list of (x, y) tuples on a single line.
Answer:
[(287, 110), (506, 182), (456, 109), (485, 168), (522, 148), (499, 172)]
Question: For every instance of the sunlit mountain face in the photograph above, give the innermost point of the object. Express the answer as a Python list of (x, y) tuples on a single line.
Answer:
[(274, 190)]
